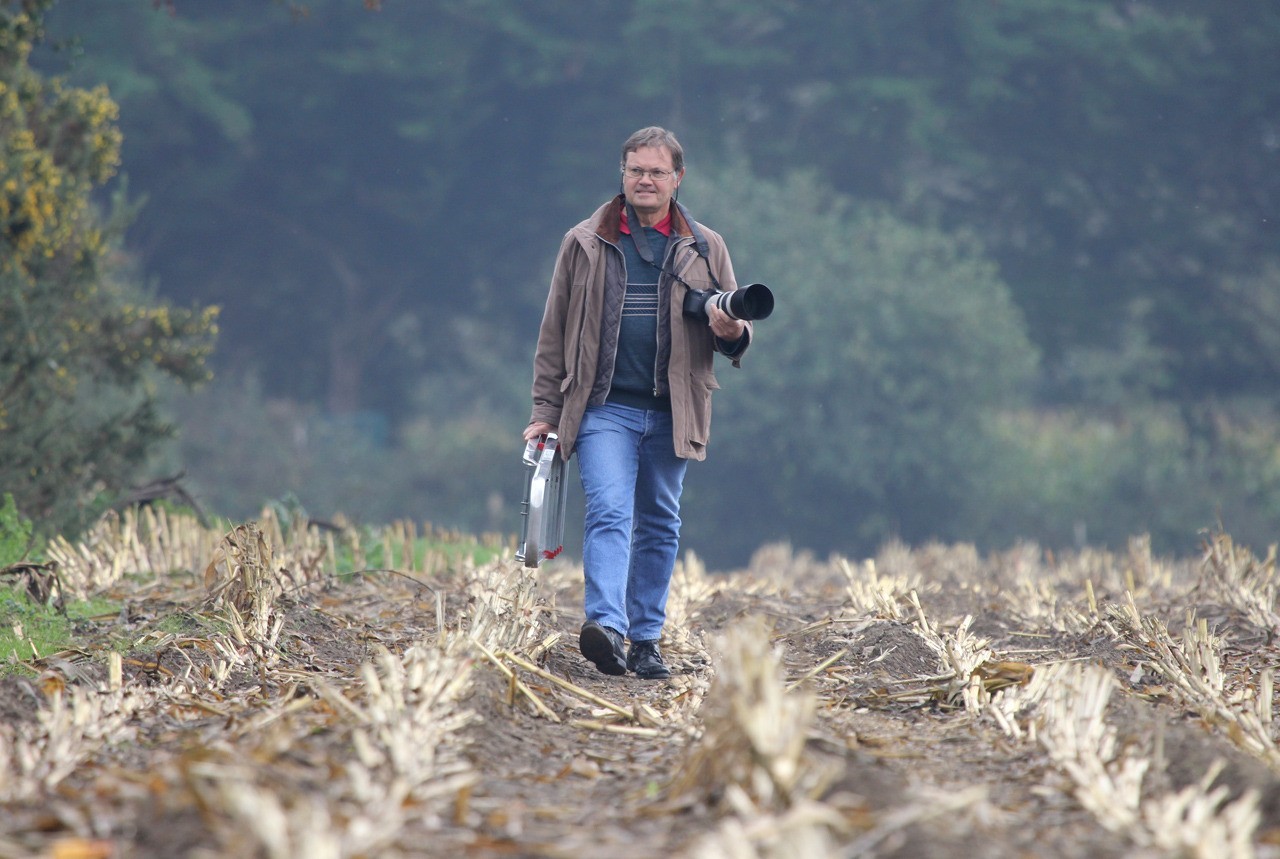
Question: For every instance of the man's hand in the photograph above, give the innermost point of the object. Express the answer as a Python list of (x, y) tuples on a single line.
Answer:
[(723, 325), (536, 429)]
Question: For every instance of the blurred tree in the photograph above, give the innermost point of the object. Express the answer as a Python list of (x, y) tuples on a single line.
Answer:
[(240, 448), (375, 195), (351, 169), (363, 166), (862, 412), (80, 344), (1110, 155)]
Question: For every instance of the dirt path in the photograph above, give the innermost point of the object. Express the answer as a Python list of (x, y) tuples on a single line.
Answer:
[(922, 703)]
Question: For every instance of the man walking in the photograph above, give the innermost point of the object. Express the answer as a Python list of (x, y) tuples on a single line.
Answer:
[(625, 380)]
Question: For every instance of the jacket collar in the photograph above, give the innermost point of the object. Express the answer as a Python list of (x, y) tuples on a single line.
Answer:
[(608, 225)]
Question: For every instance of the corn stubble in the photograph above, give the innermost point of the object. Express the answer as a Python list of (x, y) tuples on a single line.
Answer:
[(927, 701)]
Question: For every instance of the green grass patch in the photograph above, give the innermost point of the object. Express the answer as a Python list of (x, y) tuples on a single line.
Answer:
[(193, 624), (457, 553), (29, 630)]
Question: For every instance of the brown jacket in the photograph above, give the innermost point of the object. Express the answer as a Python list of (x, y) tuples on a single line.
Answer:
[(569, 366)]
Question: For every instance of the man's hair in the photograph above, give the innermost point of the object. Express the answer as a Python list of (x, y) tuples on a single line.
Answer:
[(653, 136)]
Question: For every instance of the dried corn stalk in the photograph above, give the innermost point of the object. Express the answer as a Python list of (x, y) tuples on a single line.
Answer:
[(803, 831), (504, 612), (871, 593), (1013, 709), (754, 731), (256, 821), (1038, 601), (781, 566), (961, 654), (300, 548), (1066, 707), (1240, 580), (37, 756), (405, 724), (242, 576), (150, 541), (157, 542), (1082, 744), (409, 719), (691, 589), (1192, 672)]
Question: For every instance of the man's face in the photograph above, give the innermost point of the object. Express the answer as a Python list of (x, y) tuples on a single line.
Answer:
[(648, 195)]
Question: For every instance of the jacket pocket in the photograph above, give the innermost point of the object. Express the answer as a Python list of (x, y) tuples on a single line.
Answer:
[(706, 378), (702, 383)]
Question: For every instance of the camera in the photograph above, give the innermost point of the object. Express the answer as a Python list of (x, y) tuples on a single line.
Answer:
[(746, 302)]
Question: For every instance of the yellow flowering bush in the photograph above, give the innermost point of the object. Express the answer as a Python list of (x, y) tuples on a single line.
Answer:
[(82, 347)]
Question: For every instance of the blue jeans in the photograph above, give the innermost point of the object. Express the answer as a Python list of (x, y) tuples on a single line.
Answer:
[(632, 480)]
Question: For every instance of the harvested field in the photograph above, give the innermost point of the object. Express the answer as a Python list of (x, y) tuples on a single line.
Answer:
[(249, 702)]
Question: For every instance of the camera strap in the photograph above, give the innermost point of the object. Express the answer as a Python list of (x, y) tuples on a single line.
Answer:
[(643, 247), (699, 241)]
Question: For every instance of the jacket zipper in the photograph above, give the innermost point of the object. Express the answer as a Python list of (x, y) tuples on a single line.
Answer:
[(657, 327), (657, 330), (614, 362)]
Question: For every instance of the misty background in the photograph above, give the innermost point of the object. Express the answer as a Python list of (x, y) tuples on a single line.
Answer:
[(1025, 254)]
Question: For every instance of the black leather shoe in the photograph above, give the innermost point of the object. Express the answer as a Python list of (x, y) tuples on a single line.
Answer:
[(645, 660), (603, 646)]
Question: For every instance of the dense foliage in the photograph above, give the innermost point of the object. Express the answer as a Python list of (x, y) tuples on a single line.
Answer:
[(81, 346), (374, 196), (908, 341), (15, 533)]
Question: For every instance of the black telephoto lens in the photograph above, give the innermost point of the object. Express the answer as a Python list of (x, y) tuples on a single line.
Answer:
[(750, 302), (746, 302)]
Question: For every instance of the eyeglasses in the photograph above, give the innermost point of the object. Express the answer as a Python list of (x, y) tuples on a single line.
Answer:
[(638, 173)]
